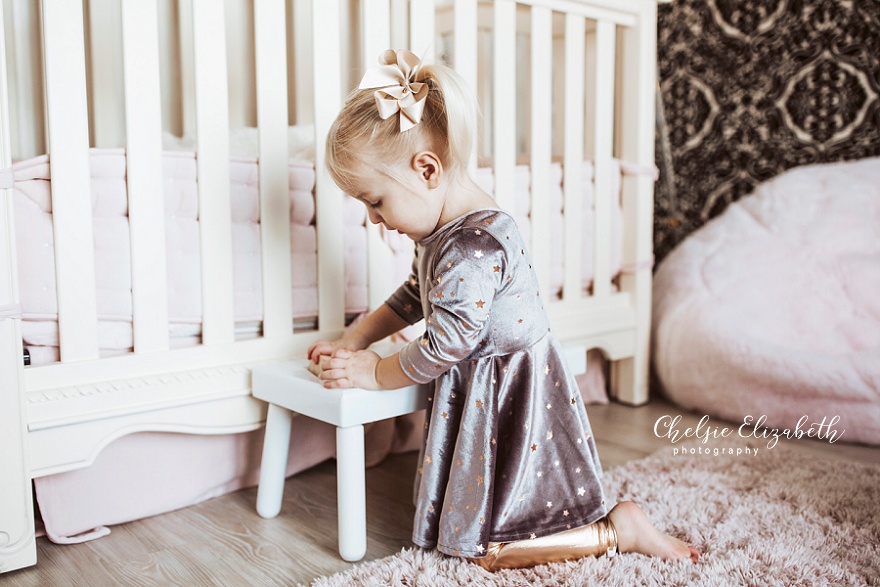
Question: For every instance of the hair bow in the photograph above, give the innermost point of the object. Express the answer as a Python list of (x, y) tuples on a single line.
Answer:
[(398, 89)]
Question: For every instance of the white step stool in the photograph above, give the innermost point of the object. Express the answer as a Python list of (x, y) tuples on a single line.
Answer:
[(289, 387)]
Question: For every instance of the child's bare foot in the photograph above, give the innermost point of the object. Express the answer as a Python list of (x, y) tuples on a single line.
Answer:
[(636, 533)]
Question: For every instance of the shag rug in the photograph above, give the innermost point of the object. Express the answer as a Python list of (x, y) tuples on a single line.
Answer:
[(774, 518)]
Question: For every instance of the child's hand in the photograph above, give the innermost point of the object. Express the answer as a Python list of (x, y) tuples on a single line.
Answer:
[(324, 347), (351, 369)]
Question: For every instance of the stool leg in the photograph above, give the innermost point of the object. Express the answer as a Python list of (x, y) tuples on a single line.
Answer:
[(274, 462), (351, 499)]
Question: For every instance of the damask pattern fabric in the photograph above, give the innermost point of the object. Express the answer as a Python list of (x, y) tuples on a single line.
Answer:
[(754, 87)]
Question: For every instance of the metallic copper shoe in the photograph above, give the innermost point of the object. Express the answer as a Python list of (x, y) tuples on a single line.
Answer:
[(597, 539)]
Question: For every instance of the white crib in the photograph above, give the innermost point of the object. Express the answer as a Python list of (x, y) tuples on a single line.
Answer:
[(591, 64)]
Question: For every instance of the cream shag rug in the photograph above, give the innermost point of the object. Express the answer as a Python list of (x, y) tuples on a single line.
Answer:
[(776, 518)]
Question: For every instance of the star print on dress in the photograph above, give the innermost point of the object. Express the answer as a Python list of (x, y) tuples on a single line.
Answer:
[(485, 375), (459, 306)]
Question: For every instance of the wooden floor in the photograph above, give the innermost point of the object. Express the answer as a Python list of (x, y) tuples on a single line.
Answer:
[(224, 542)]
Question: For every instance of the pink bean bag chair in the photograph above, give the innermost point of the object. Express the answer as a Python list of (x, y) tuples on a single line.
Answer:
[(773, 307)]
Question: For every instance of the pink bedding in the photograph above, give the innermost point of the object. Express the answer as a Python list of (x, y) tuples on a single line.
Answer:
[(36, 259)]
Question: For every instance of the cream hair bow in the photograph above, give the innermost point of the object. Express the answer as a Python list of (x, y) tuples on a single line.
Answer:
[(398, 89)]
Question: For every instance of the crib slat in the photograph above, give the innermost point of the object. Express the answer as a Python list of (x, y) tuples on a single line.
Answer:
[(575, 33), (465, 51), (326, 59), (215, 212), (146, 206), (630, 377), (376, 35), (421, 29), (271, 78), (67, 113), (540, 139), (603, 123), (637, 135), (504, 103)]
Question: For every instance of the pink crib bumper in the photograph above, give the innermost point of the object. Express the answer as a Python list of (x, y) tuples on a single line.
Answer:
[(36, 257)]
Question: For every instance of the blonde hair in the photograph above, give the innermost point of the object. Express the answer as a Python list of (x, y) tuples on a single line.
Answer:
[(359, 136)]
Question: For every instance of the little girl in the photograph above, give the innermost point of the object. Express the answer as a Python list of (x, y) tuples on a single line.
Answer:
[(509, 475)]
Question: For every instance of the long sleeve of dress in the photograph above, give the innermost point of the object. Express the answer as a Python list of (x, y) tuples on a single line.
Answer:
[(469, 269), (405, 302)]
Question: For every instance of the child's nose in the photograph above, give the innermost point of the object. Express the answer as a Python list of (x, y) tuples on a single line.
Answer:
[(375, 218)]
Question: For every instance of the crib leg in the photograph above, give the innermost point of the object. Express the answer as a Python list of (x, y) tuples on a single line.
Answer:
[(351, 498), (629, 380), (274, 463)]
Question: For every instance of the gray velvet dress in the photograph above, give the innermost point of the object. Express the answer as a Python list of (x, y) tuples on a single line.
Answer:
[(508, 452)]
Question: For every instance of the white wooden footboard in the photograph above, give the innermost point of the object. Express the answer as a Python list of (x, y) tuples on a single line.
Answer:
[(594, 63), (598, 54)]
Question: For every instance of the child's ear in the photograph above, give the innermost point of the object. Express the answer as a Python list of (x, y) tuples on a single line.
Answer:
[(429, 168)]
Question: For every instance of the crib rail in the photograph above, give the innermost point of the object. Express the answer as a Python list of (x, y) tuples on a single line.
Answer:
[(271, 80), (67, 118), (146, 214)]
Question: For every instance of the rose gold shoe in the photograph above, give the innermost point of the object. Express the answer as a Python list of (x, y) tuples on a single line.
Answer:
[(596, 539)]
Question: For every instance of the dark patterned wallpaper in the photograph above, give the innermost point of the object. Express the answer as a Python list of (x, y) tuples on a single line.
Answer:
[(751, 88)]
